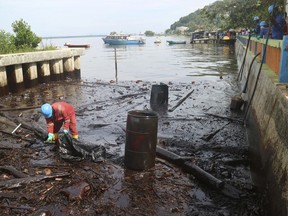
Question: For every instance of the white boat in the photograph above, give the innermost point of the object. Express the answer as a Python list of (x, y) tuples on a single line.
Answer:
[(123, 39), (157, 41)]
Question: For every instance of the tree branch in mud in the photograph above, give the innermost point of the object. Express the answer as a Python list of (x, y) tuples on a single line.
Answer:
[(181, 101), (13, 171), (18, 137), (41, 134), (18, 182), (190, 168), (209, 136), (225, 117), (199, 173), (84, 107), (38, 132), (18, 207), (19, 108)]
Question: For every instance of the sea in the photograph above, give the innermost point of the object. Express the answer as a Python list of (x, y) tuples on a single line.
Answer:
[(159, 62)]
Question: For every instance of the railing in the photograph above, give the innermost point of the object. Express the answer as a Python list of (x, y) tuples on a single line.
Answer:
[(273, 51)]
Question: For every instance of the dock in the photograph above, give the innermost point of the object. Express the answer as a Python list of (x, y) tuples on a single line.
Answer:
[(205, 40)]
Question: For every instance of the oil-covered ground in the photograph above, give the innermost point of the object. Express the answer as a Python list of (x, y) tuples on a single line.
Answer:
[(35, 180)]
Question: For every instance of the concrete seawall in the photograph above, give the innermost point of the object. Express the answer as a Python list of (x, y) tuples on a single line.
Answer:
[(21, 70), (267, 132)]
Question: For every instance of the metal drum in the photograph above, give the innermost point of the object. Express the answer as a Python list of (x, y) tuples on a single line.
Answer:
[(159, 97), (141, 139)]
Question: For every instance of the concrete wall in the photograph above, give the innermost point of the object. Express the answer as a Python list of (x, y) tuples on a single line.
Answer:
[(268, 121), (20, 58), (28, 69)]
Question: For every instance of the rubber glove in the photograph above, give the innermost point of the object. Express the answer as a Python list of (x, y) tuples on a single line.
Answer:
[(65, 131), (50, 137)]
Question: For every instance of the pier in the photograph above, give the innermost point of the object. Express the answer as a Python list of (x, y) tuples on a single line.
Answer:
[(213, 41), (24, 70), (205, 40)]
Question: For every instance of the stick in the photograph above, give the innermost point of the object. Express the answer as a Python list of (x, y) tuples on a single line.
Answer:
[(18, 207), (18, 137), (84, 107), (225, 117), (190, 167), (38, 132), (181, 101), (94, 84), (16, 128), (203, 176), (13, 171), (211, 135), (18, 182), (116, 68), (20, 108)]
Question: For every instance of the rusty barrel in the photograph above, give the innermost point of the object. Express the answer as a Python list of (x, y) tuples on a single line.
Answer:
[(159, 97), (141, 139)]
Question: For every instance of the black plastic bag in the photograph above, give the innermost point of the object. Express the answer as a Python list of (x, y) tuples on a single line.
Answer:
[(71, 149)]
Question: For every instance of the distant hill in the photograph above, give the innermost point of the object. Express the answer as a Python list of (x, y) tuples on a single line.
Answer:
[(194, 21), (227, 14)]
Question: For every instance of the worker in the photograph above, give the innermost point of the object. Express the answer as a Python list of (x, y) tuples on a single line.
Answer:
[(57, 115), (256, 19), (277, 21), (264, 29)]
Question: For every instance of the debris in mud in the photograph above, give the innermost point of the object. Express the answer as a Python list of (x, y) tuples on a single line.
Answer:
[(36, 180), (77, 191)]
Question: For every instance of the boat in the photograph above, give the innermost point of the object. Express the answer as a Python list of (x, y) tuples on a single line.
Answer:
[(123, 39), (227, 40), (157, 41), (176, 42), (77, 45)]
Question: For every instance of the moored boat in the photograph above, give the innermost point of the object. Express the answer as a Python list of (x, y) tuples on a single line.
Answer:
[(77, 45), (227, 40), (157, 41), (123, 39), (176, 42)]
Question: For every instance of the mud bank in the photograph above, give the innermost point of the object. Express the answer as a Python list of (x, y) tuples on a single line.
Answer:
[(267, 132), (203, 130)]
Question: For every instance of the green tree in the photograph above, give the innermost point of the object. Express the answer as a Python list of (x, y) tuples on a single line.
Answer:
[(227, 14), (24, 38), (6, 42), (149, 33)]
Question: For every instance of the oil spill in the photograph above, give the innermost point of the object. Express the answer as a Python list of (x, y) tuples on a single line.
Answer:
[(101, 110)]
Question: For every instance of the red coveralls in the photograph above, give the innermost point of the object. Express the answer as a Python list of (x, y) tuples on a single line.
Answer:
[(62, 113)]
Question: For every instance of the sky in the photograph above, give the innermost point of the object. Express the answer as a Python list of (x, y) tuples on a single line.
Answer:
[(95, 17)]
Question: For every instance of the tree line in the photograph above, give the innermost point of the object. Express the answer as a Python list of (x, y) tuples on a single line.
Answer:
[(227, 14)]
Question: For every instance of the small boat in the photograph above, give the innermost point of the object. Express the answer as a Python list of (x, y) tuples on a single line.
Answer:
[(157, 41), (227, 40), (123, 39), (176, 42), (77, 45)]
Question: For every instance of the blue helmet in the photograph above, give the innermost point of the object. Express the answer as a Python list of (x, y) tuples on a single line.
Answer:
[(46, 110), (271, 8), (256, 18), (263, 23)]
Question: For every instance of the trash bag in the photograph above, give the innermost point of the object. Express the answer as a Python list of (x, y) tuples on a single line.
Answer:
[(71, 149)]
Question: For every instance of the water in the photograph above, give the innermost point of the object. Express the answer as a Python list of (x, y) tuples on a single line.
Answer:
[(152, 62)]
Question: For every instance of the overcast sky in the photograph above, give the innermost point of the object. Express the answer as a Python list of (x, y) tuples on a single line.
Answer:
[(82, 17)]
